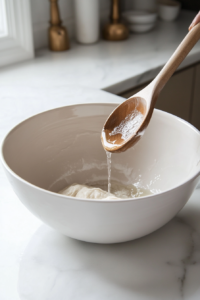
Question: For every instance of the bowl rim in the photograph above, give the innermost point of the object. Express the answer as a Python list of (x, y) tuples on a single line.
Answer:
[(140, 16), (144, 13), (149, 25), (5, 165)]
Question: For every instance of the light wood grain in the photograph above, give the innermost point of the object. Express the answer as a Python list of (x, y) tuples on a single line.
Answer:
[(145, 100)]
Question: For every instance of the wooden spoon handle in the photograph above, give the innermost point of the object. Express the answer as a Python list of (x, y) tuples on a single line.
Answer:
[(175, 60)]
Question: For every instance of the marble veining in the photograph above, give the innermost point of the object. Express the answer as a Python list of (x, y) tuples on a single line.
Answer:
[(17, 224), (158, 266), (188, 260), (37, 263)]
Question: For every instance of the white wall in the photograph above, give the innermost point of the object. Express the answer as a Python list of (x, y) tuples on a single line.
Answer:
[(41, 15)]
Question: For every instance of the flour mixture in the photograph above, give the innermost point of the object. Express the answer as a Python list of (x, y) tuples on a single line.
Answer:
[(98, 190)]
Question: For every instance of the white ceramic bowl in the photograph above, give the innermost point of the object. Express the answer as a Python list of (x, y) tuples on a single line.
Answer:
[(139, 17), (168, 10), (45, 153), (139, 28)]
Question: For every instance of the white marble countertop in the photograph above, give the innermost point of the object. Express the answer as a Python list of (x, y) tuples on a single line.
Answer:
[(111, 66), (37, 263), (17, 224)]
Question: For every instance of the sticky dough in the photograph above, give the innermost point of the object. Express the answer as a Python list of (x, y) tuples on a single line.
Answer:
[(86, 192)]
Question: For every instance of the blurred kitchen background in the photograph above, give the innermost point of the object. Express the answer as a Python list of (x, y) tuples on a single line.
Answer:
[(121, 67), (40, 14)]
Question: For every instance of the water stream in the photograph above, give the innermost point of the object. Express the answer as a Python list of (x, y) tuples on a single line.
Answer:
[(109, 170)]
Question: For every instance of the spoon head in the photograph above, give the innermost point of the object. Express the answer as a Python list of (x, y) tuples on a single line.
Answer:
[(125, 125)]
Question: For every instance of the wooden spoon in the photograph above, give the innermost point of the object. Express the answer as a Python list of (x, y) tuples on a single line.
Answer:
[(126, 124)]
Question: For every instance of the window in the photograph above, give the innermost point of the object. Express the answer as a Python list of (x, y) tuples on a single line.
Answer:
[(16, 41), (3, 24)]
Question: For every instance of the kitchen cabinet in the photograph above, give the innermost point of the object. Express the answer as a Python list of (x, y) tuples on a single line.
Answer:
[(176, 96), (195, 111), (180, 96)]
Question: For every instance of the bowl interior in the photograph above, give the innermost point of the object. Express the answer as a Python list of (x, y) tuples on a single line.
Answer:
[(62, 146)]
